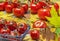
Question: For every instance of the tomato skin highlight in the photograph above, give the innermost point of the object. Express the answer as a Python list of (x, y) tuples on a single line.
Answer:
[(39, 24)]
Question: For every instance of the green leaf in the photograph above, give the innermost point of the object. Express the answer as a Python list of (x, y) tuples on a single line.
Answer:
[(57, 31), (53, 12), (54, 19)]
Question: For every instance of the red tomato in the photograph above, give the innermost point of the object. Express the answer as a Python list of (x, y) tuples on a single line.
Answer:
[(42, 13), (18, 12), (2, 7), (39, 5), (5, 3), (5, 31), (9, 8), (2, 21), (56, 6), (25, 6), (34, 34), (15, 5), (11, 25), (42, 4), (22, 28), (34, 8), (39, 24)]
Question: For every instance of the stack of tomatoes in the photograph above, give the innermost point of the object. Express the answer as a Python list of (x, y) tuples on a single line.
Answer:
[(35, 34), (17, 9), (12, 28), (42, 9)]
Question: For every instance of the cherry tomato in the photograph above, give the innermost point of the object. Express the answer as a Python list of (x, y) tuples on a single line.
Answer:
[(2, 7), (56, 6), (42, 4), (5, 3), (9, 8), (39, 24), (42, 13), (18, 12), (34, 8), (22, 27), (34, 34), (25, 6), (11, 25), (2, 23), (39, 5), (5, 31), (15, 5)]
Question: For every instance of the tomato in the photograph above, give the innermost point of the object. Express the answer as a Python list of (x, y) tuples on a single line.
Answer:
[(34, 34), (34, 8), (42, 4), (22, 27), (15, 5), (39, 24), (18, 12), (56, 6), (11, 25), (5, 31), (42, 13), (9, 8), (2, 21), (25, 6), (5, 3), (2, 7), (39, 5)]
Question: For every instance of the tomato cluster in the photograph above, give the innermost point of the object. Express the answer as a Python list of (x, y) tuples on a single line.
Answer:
[(17, 8), (12, 28), (42, 9)]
